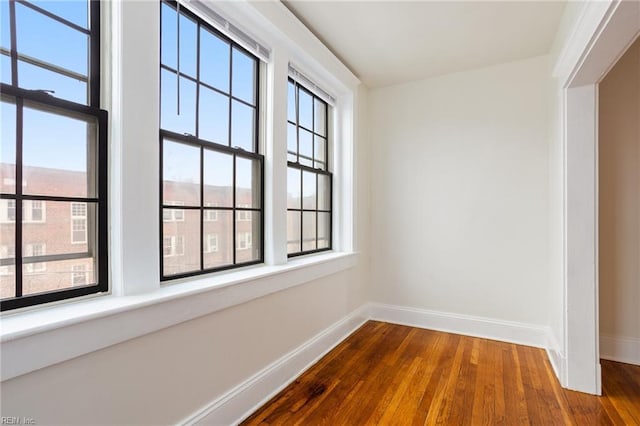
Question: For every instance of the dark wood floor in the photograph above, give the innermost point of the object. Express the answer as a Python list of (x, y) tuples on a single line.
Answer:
[(391, 374)]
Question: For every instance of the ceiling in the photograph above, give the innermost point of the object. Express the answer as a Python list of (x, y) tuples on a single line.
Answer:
[(390, 42)]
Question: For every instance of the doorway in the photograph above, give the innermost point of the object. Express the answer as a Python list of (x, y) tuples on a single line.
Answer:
[(619, 209)]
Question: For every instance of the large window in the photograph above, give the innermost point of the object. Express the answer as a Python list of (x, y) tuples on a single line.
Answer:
[(309, 181), (211, 170), (53, 151)]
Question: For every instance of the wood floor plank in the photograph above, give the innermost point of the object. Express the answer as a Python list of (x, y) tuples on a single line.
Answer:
[(396, 375)]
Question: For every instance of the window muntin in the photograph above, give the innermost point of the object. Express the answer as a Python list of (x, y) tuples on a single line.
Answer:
[(210, 161), (54, 150), (309, 181)]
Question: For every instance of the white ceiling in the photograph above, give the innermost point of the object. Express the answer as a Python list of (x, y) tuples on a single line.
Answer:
[(389, 42)]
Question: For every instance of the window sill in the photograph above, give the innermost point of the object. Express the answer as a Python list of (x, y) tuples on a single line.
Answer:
[(89, 325)]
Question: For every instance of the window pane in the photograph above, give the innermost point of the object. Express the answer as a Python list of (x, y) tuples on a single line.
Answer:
[(291, 102), (324, 230), (223, 231), (215, 54), (213, 117), (293, 232), (5, 29), (57, 275), (56, 151), (324, 192), (308, 231), (218, 179), (188, 45), (320, 152), (66, 227), (170, 120), (36, 78), (243, 79), (306, 148), (293, 188), (53, 42), (248, 187), (76, 11), (7, 254), (308, 190), (5, 68), (169, 41), (305, 109), (181, 173), (319, 122), (292, 143), (7, 147), (181, 244), (247, 236), (243, 125)]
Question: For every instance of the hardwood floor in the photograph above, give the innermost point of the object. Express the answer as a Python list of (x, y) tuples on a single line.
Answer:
[(391, 374)]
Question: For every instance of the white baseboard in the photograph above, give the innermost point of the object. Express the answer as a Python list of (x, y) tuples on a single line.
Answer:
[(556, 357), (506, 331), (621, 349), (241, 401)]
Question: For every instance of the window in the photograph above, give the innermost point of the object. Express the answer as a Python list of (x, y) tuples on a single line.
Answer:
[(34, 211), (244, 240), (309, 181), (244, 215), (53, 136), (209, 214), (6, 252), (35, 250), (211, 243), (210, 160), (173, 246), (78, 275), (78, 223), (173, 215)]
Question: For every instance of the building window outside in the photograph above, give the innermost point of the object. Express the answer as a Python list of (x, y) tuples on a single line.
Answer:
[(54, 137), (309, 181), (33, 250), (173, 246), (211, 243), (244, 240), (78, 275), (210, 160), (78, 223)]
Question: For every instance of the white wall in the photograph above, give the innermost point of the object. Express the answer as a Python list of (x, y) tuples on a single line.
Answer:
[(460, 194), (619, 204)]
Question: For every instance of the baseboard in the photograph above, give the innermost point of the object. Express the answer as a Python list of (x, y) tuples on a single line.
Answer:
[(488, 328), (621, 349), (556, 357), (241, 401)]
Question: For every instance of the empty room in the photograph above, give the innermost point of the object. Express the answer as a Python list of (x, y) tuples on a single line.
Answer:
[(319, 212)]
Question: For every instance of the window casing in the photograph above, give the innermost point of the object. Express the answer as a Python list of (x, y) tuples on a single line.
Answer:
[(50, 99), (309, 181), (210, 160)]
